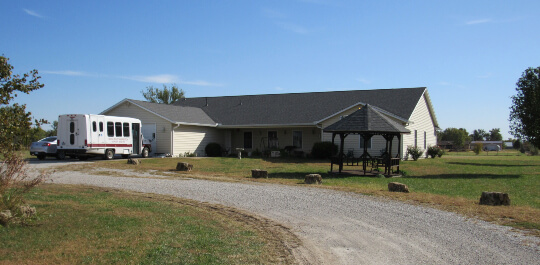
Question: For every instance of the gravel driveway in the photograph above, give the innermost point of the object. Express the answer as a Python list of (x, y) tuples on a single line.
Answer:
[(346, 228)]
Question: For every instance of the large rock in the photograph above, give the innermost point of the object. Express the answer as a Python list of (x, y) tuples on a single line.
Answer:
[(258, 173), (183, 166), (132, 161), (494, 198), (397, 187), (313, 179)]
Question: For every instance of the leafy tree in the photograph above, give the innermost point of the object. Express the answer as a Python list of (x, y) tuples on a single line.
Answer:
[(166, 96), (525, 110), (459, 137), (15, 127), (479, 135), (495, 134), (15, 122)]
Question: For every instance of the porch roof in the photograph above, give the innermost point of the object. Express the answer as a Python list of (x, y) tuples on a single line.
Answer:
[(367, 120)]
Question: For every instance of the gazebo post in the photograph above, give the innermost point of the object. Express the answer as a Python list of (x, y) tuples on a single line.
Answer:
[(342, 143)]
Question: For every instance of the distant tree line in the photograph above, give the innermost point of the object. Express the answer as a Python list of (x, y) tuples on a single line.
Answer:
[(460, 137)]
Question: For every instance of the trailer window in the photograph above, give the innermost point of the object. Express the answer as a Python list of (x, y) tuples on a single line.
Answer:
[(101, 126), (118, 128), (94, 126), (72, 139), (110, 129), (72, 127), (126, 129)]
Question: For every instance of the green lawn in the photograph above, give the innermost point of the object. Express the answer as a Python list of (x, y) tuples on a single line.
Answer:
[(82, 225)]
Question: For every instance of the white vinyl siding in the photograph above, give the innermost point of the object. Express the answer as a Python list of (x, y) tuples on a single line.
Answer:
[(194, 139), (421, 121)]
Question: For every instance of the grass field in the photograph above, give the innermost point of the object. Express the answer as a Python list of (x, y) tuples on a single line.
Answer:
[(84, 225), (453, 182)]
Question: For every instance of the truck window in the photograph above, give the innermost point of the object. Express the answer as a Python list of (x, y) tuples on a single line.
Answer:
[(72, 127), (94, 126), (126, 129), (101, 126), (110, 129), (118, 128)]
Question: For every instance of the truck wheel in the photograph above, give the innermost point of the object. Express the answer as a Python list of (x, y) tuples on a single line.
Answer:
[(61, 155), (109, 154), (145, 152)]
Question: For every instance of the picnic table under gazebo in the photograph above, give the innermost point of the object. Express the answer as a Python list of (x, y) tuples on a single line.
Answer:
[(367, 122)]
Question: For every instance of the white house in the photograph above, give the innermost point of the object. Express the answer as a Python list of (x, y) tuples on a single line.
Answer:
[(260, 122)]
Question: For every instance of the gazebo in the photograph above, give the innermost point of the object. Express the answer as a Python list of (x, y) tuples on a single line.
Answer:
[(367, 122)]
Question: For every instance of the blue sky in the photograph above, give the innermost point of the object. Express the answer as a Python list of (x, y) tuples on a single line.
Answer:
[(93, 54)]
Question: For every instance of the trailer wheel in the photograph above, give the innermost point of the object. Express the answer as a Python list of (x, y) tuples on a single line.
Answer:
[(61, 155), (109, 154), (145, 152)]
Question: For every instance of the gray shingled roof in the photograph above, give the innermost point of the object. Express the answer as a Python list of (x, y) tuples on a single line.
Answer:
[(366, 120), (301, 108), (176, 114)]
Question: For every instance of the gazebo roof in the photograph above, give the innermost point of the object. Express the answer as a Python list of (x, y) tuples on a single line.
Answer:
[(367, 120)]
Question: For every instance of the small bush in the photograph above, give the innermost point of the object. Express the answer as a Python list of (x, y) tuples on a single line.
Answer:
[(478, 148), (414, 152), (433, 151), (213, 150), (440, 153), (324, 150), (534, 150), (14, 183)]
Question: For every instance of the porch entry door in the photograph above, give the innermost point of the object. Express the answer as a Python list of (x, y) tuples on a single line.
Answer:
[(273, 140)]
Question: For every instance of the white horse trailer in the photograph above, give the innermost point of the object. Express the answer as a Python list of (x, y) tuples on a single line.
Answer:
[(87, 135)]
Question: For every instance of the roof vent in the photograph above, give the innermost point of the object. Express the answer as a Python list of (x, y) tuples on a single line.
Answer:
[(206, 102)]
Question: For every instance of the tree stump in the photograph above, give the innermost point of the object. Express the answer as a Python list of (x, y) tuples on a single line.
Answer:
[(398, 187), (313, 179), (132, 161), (183, 166), (494, 198), (258, 173)]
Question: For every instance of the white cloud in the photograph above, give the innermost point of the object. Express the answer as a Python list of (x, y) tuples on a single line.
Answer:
[(162, 79), (32, 13), (67, 72), (279, 88), (153, 78), (478, 21)]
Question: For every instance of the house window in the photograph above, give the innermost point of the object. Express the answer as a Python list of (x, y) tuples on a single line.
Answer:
[(425, 141), (110, 129), (415, 138), (248, 140), (297, 139), (118, 128), (362, 143), (126, 129)]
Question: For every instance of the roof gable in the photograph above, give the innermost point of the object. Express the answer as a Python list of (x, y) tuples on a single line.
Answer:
[(171, 113), (366, 120)]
